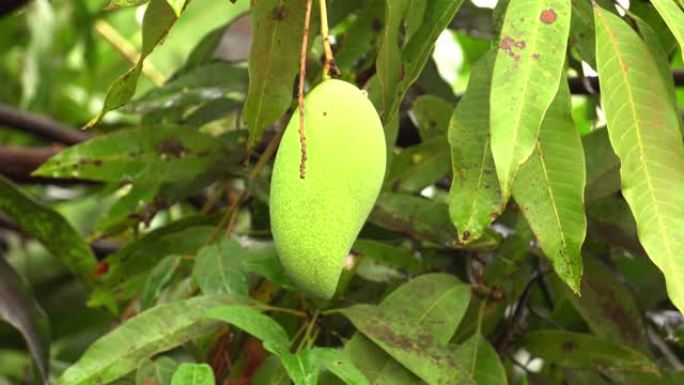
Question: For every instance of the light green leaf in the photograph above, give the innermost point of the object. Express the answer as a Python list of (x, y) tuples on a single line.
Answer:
[(527, 72), (340, 364), (158, 19), (673, 14), (585, 351), (218, 268), (475, 196), (549, 189), (156, 330), (177, 6), (273, 61), (644, 132), (193, 374), (160, 276), (50, 228), (482, 361)]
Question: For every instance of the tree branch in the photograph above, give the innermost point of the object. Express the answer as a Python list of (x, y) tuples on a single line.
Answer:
[(40, 126)]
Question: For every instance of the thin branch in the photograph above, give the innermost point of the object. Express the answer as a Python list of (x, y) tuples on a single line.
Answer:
[(40, 126), (300, 95), (329, 63)]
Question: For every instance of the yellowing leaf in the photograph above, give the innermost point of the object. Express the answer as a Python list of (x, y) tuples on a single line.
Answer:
[(527, 73), (643, 130)]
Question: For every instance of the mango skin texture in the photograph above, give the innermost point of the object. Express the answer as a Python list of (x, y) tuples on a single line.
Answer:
[(316, 220)]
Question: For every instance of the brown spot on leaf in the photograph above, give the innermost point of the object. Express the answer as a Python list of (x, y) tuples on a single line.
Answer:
[(279, 13), (548, 16), (508, 44), (569, 346), (172, 147), (536, 56)]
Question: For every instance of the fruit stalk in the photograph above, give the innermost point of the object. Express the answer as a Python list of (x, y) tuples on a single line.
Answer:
[(300, 96)]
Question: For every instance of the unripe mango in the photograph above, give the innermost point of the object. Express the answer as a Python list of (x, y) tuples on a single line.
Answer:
[(316, 219)]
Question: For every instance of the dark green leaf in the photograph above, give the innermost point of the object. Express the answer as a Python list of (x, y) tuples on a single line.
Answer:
[(273, 62), (482, 361), (603, 166), (432, 115), (584, 351), (420, 166), (50, 228), (20, 309), (157, 372), (160, 276)]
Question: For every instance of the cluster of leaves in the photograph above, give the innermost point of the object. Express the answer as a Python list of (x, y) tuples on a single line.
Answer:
[(516, 240)]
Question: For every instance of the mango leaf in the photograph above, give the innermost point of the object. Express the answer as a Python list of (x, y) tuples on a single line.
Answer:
[(397, 71), (156, 330), (415, 349), (193, 374), (420, 166), (603, 166), (340, 364), (644, 132), (527, 72), (433, 303), (475, 197), (673, 14), (432, 115), (51, 229), (609, 309), (199, 85), (148, 154), (549, 189), (160, 276), (218, 268), (585, 351), (482, 361), (157, 372), (612, 222), (264, 261), (20, 309), (300, 367), (396, 256), (127, 3), (128, 267), (273, 61), (158, 19), (415, 217), (178, 5), (582, 35)]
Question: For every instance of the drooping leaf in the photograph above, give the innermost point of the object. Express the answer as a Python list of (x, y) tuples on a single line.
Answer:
[(340, 364), (193, 374), (431, 303), (432, 115), (527, 72), (420, 166), (50, 228), (644, 132), (20, 309), (584, 351), (156, 330), (479, 358), (382, 252), (273, 62), (475, 196), (148, 154), (673, 14), (608, 307), (549, 189), (398, 70), (218, 268), (158, 19)]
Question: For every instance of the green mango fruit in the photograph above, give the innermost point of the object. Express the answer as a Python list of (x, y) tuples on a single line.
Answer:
[(316, 219)]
